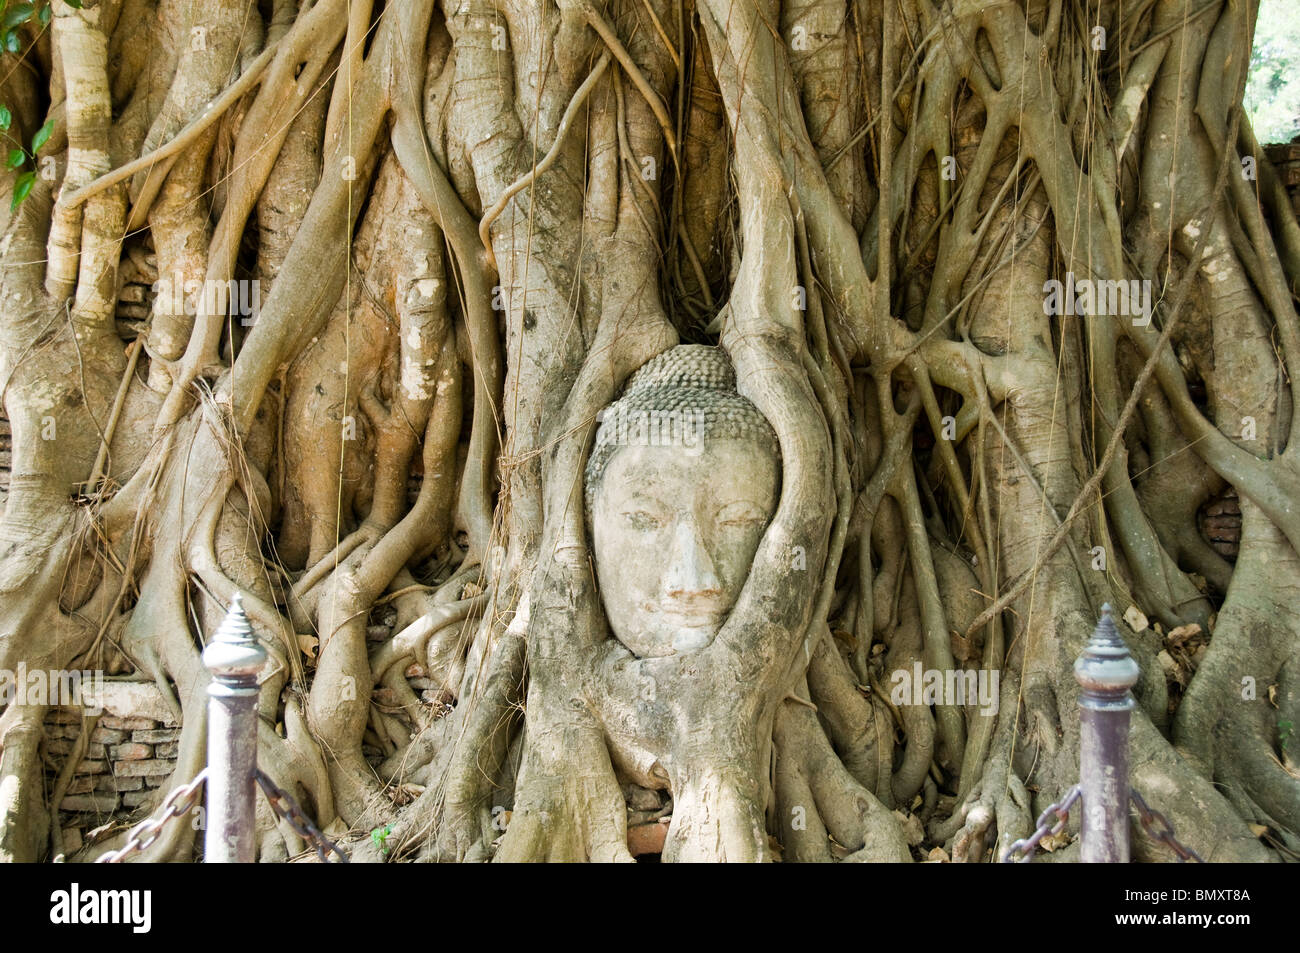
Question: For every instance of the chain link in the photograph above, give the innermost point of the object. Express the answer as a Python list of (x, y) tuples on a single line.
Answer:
[(286, 808), (1158, 827), (1061, 811), (1153, 822), (146, 832)]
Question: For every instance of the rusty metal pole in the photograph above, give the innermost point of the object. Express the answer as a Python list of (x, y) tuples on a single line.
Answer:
[(234, 658), (1105, 673)]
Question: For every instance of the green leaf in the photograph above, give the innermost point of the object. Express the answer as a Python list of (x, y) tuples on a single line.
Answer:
[(379, 835), (12, 43), (44, 15), (6, 118), (75, 4), (42, 134), (18, 14), (16, 158), (22, 186)]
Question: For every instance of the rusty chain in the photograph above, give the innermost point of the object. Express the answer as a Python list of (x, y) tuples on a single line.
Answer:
[(182, 799), (1153, 822), (1158, 828), (287, 809), (1061, 811), (146, 832)]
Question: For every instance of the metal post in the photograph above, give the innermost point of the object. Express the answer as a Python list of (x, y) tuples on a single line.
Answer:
[(234, 658), (1105, 673)]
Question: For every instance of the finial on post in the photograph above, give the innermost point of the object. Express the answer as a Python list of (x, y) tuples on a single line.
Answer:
[(234, 654), (1106, 670)]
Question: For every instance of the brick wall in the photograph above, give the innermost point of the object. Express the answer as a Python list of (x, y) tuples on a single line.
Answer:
[(1286, 159), (131, 753)]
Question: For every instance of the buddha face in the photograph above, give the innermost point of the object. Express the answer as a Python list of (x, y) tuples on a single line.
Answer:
[(674, 535)]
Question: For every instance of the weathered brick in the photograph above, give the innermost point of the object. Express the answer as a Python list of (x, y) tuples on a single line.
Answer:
[(130, 752), (108, 736), (167, 749), (646, 839), (126, 724), (1282, 151), (155, 781), (91, 766), (1218, 525), (144, 769), (58, 745), (135, 798), (82, 785), (153, 735), (65, 746), (108, 782), (91, 803), (135, 705)]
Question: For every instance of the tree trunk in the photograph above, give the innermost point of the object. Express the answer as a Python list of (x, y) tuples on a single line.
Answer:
[(324, 306)]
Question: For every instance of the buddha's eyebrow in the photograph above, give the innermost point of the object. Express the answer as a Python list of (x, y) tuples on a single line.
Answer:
[(640, 496), (723, 500)]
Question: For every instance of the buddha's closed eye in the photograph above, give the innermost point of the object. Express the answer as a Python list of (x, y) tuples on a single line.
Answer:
[(644, 520), (741, 513)]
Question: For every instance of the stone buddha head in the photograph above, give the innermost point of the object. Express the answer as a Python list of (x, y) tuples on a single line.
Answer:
[(681, 484)]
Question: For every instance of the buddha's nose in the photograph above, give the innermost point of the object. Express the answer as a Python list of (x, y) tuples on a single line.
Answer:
[(690, 572)]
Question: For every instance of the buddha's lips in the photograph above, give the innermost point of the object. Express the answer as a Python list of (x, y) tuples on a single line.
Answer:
[(689, 618)]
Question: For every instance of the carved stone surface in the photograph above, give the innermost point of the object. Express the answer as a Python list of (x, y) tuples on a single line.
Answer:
[(682, 481)]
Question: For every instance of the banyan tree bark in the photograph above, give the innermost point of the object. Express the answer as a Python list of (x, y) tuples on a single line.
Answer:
[(468, 222)]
